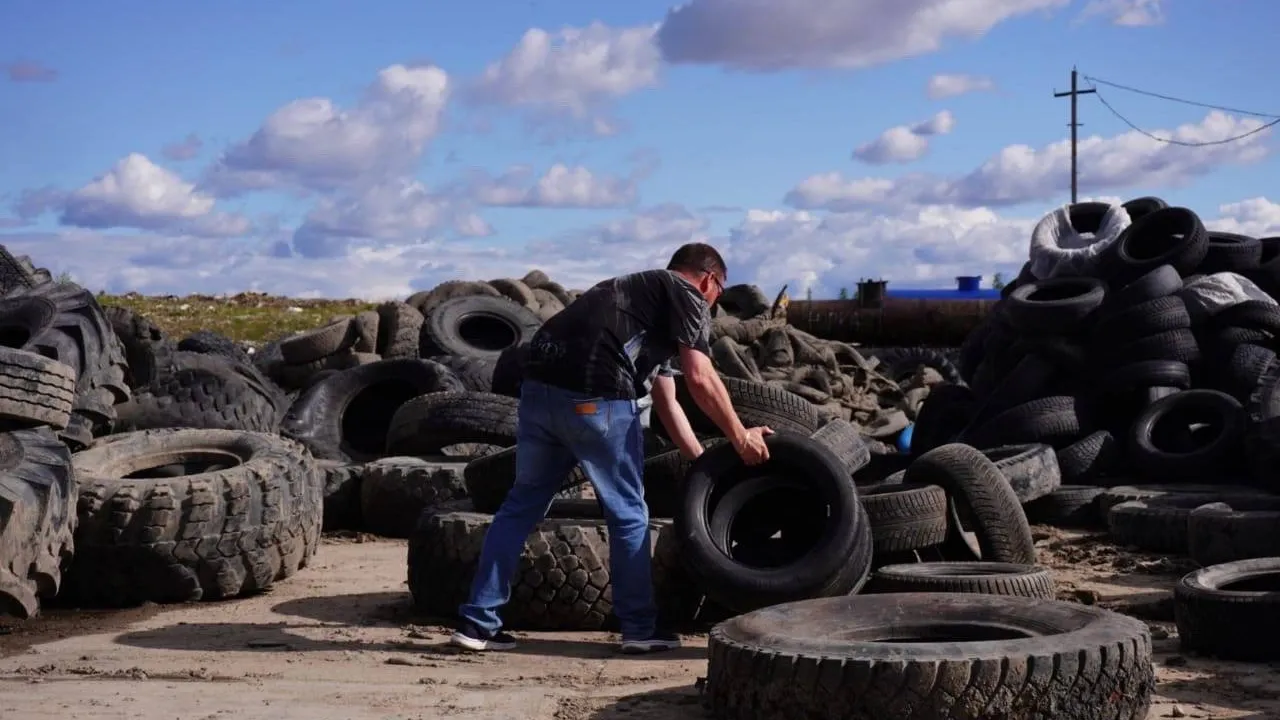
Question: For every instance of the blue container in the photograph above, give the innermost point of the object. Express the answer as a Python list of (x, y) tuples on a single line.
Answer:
[(968, 283), (904, 438)]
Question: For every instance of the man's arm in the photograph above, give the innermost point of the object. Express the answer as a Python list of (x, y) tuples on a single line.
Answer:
[(710, 394), (673, 417)]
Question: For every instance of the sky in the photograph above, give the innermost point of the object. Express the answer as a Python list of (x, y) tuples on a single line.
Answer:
[(330, 149)]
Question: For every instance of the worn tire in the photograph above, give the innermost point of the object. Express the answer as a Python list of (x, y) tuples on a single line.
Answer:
[(37, 518), (476, 326), (821, 659), (207, 535), (1230, 611), (982, 578), (395, 491), (428, 424), (34, 390)]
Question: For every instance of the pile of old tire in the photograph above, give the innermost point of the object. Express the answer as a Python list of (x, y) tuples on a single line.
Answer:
[(1150, 359)]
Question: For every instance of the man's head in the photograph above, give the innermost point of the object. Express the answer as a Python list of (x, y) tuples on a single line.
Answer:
[(702, 265)]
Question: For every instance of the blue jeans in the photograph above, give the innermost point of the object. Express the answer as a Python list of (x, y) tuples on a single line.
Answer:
[(557, 429)]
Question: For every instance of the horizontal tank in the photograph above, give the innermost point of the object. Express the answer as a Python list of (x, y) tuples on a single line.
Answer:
[(894, 317)]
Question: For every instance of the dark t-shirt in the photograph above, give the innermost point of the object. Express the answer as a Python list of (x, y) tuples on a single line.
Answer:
[(617, 335)]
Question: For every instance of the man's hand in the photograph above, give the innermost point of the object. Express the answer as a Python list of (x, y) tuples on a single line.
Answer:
[(751, 446)]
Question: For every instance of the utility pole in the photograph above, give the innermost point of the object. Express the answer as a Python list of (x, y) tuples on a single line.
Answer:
[(1075, 93)]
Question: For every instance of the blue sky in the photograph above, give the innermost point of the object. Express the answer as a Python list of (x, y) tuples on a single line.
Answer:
[(331, 149)]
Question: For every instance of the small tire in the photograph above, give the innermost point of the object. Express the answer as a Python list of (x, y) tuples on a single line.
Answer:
[(983, 578)]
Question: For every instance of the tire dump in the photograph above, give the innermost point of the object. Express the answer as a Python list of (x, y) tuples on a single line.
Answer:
[(880, 565)]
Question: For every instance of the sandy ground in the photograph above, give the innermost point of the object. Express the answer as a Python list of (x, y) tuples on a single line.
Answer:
[(339, 641)]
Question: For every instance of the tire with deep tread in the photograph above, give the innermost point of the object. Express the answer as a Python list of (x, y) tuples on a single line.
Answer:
[(37, 518), (428, 424), (983, 578), (905, 517), (341, 495), (34, 390), (395, 491), (820, 659), (208, 535), (1230, 610), (476, 326), (204, 391), (756, 404)]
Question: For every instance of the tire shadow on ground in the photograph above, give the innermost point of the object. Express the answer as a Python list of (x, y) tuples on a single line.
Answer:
[(246, 637), (682, 703), (356, 609), (534, 643)]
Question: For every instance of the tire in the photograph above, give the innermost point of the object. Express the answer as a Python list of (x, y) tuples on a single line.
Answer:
[(982, 578), (203, 536), (943, 415), (1031, 470), (1229, 611), (341, 495), (756, 404), (822, 570), (346, 417), (1172, 235), (79, 335), (1053, 420), (475, 374), (428, 424), (905, 517), (204, 391), (320, 343), (1163, 429), (477, 326), (842, 438), (1157, 525), (965, 656), (207, 342), (1230, 529), (395, 491), (37, 518), (399, 326), (968, 476), (1069, 506), (1062, 304), (34, 390), (143, 343), (563, 581), (901, 363)]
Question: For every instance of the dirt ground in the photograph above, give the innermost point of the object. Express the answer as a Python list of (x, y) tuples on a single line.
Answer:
[(338, 641)]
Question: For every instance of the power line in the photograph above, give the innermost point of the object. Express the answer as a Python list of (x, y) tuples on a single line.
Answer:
[(1148, 93), (1074, 93), (1184, 143)]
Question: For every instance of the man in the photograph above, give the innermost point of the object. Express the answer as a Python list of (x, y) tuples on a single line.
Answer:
[(586, 368)]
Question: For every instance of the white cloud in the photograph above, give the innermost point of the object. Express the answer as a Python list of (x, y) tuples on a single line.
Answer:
[(1020, 173), (188, 148), (135, 193), (572, 73), (919, 247), (311, 143), (560, 186), (905, 143), (946, 86), (393, 211), (1256, 217), (767, 35), (1127, 13)]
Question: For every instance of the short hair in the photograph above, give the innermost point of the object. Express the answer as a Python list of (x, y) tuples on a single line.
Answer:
[(697, 258)]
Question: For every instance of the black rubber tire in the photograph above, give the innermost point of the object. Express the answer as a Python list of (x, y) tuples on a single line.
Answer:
[(821, 571), (943, 415), (564, 578), (210, 535), (37, 519), (428, 424), (969, 477), (826, 658), (842, 438), (475, 374), (1031, 469), (341, 506), (900, 363), (1173, 235), (1141, 206), (319, 343), (1154, 453), (905, 517), (1070, 506), (756, 404), (394, 492), (1053, 420), (346, 416), (143, 343), (1089, 458), (1237, 528), (207, 342), (1139, 320), (1058, 304), (476, 326), (982, 578), (399, 327), (195, 390), (1230, 611), (78, 335), (1230, 252), (1160, 281), (1262, 435), (34, 391)]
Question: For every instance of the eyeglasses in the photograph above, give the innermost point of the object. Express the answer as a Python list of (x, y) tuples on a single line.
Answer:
[(719, 282)]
